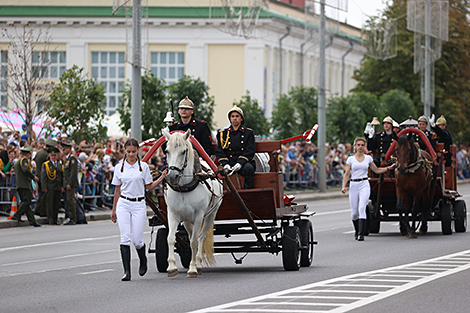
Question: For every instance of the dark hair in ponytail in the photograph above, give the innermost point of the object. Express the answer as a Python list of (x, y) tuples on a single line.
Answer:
[(131, 142)]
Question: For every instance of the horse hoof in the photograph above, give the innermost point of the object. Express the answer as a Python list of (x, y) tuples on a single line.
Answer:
[(412, 236), (191, 275), (172, 273), (199, 271)]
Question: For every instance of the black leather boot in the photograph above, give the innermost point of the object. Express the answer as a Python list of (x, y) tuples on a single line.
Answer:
[(143, 260), (126, 262), (362, 225), (356, 228)]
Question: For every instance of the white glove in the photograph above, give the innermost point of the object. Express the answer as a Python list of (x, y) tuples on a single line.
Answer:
[(227, 168), (431, 120), (369, 131), (236, 167)]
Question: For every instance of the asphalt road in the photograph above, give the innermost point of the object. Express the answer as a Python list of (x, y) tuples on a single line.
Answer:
[(78, 269)]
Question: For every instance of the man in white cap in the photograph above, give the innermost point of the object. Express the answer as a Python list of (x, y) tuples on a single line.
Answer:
[(199, 128), (381, 141), (236, 147), (432, 137), (443, 135)]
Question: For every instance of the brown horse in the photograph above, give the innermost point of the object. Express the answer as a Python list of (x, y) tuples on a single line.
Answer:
[(413, 177)]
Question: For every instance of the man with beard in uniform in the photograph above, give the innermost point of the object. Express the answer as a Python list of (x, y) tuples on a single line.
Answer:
[(443, 135), (381, 141), (199, 129), (236, 147), (432, 137), (41, 157)]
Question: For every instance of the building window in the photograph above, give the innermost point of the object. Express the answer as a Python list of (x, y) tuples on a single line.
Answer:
[(168, 66), (4, 80), (49, 65), (108, 69)]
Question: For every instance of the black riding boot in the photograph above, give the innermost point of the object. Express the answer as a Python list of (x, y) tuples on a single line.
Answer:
[(362, 225), (126, 262), (143, 260), (356, 228)]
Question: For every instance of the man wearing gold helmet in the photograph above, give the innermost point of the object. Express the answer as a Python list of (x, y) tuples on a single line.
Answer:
[(432, 137), (199, 129), (236, 147), (443, 136), (381, 141)]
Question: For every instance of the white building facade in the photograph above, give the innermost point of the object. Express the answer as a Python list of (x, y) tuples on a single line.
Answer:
[(180, 39)]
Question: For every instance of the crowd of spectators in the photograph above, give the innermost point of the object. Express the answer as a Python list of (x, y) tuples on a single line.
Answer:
[(463, 161), (298, 162), (96, 163)]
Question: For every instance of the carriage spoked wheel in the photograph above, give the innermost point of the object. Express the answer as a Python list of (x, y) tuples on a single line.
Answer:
[(291, 243), (460, 214), (307, 240), (446, 217), (161, 254)]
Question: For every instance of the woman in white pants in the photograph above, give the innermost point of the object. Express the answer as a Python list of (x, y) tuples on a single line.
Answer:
[(357, 166), (131, 177)]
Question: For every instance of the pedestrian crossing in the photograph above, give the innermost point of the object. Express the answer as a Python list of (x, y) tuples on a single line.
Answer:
[(350, 292)]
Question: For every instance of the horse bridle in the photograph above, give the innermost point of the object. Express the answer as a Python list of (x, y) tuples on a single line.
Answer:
[(181, 170)]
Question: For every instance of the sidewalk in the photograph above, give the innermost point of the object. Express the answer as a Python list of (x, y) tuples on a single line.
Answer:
[(99, 215)]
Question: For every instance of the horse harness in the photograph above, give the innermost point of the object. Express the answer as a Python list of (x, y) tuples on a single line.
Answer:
[(421, 162)]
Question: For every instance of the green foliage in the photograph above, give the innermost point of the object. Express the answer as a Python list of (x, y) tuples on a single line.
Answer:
[(398, 105), (345, 119), (295, 112), (253, 114), (77, 105), (452, 70), (154, 106), (197, 90)]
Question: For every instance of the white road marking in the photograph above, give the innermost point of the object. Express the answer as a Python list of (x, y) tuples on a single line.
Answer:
[(57, 258), (348, 286), (95, 272), (332, 212)]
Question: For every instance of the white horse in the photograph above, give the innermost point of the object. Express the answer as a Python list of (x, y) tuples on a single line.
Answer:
[(196, 208)]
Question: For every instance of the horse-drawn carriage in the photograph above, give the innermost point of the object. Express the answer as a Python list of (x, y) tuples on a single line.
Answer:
[(273, 221), (438, 201)]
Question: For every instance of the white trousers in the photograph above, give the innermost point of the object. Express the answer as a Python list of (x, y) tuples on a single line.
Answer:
[(359, 193), (131, 216)]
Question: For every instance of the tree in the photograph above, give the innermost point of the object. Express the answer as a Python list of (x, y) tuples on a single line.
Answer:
[(198, 92), (452, 70), (154, 106), (78, 105), (29, 57), (254, 114), (295, 112), (346, 119), (398, 105)]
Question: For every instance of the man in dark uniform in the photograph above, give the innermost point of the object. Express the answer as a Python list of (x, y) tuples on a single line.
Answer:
[(432, 137), (41, 157), (443, 136), (24, 188), (381, 141), (236, 147), (70, 181), (199, 129), (51, 183)]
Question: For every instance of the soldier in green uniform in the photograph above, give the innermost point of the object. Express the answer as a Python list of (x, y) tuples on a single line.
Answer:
[(51, 184), (70, 180), (24, 188), (41, 157)]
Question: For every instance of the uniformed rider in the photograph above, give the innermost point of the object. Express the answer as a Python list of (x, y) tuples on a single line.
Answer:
[(443, 136), (432, 137), (199, 129), (236, 147), (379, 142)]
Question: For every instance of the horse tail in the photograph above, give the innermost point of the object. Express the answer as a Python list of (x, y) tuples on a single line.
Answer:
[(208, 248)]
